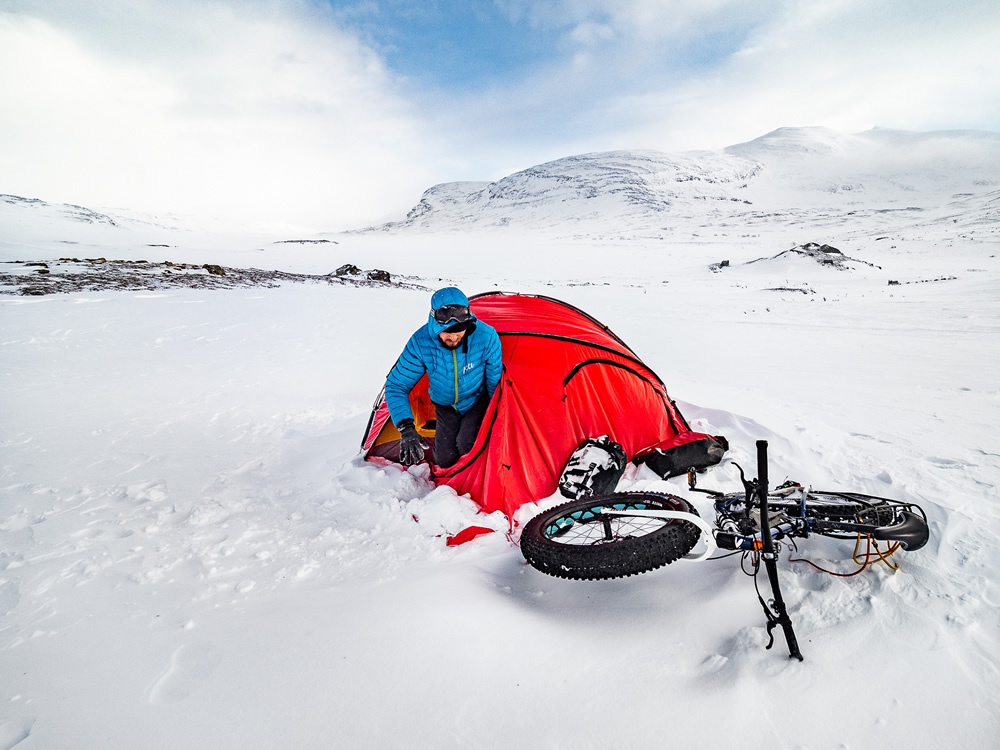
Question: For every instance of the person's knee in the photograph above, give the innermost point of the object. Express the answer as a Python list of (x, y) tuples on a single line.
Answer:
[(470, 431), (446, 457), (465, 442)]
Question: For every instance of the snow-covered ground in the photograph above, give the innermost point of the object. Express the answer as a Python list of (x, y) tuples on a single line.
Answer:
[(193, 555)]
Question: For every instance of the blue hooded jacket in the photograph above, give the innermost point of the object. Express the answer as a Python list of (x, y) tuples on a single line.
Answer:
[(457, 377)]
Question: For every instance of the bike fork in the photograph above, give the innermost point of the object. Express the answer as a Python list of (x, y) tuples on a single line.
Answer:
[(780, 614)]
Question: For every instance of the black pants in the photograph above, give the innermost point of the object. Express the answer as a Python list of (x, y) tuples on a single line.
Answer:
[(454, 433)]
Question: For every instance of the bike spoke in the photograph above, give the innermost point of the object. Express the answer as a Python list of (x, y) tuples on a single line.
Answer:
[(592, 528)]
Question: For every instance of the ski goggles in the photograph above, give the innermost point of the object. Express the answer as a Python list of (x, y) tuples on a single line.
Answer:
[(452, 314)]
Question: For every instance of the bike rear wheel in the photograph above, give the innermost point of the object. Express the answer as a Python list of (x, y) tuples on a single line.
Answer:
[(578, 540)]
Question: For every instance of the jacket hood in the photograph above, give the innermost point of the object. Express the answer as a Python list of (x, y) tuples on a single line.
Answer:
[(450, 295)]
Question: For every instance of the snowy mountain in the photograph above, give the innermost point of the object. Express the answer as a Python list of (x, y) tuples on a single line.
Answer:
[(808, 175), (590, 187), (790, 170), (50, 212)]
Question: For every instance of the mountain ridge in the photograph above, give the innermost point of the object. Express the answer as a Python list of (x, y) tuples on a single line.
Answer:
[(791, 173), (815, 165)]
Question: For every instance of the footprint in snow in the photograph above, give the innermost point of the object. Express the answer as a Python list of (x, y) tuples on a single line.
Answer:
[(190, 665), (102, 535), (13, 733)]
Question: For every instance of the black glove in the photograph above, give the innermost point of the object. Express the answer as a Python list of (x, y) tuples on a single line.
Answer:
[(411, 449)]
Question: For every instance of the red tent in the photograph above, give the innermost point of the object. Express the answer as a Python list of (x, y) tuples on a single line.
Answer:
[(566, 378)]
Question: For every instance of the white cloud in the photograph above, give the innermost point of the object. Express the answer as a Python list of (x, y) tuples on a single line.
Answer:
[(844, 64), (273, 114), (638, 20), (589, 33)]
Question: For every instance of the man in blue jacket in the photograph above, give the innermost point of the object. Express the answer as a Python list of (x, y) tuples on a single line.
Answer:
[(462, 358)]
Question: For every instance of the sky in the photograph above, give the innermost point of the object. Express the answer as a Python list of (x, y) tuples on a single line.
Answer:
[(325, 115)]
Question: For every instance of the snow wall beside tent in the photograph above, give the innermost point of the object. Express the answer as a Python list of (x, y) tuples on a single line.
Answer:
[(566, 378)]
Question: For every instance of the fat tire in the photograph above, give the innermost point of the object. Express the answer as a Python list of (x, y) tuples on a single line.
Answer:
[(643, 546)]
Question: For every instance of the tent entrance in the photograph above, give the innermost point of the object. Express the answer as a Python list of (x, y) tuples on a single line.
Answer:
[(382, 435)]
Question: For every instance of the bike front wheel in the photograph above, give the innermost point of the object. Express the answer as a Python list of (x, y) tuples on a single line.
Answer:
[(580, 540)]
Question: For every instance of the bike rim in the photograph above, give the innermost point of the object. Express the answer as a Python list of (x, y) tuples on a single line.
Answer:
[(589, 526)]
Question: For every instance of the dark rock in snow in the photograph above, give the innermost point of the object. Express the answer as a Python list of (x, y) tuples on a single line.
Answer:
[(69, 275), (800, 290), (825, 255), (306, 242)]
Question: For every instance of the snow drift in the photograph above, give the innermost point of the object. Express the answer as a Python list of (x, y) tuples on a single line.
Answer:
[(193, 554)]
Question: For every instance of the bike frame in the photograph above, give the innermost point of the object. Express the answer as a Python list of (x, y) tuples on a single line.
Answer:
[(737, 529)]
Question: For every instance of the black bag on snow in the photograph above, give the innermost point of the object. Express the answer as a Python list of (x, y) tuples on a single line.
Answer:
[(593, 469), (697, 455)]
